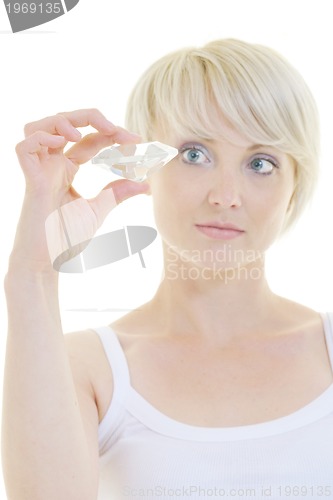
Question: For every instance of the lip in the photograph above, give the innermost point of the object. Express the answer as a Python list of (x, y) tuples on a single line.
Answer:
[(219, 230)]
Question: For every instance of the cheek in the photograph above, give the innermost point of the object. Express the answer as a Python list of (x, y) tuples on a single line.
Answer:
[(172, 189), (275, 197), (271, 215), (173, 204), (165, 199)]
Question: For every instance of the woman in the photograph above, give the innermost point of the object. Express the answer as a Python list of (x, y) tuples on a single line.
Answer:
[(217, 386)]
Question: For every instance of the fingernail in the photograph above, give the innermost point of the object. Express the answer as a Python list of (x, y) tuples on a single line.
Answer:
[(135, 135), (111, 126), (77, 133)]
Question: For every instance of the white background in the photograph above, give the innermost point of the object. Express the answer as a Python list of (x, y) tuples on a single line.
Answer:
[(91, 57)]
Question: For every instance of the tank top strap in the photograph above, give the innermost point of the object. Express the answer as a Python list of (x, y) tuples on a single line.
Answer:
[(121, 378), (115, 356), (328, 329)]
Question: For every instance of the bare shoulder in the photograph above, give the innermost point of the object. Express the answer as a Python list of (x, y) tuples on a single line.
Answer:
[(307, 327), (300, 316), (91, 371)]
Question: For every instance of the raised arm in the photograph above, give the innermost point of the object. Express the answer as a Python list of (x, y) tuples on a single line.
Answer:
[(49, 430)]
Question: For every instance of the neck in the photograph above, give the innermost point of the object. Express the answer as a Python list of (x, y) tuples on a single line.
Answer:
[(214, 304)]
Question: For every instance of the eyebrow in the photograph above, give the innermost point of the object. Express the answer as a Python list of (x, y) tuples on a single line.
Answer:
[(253, 147), (258, 146)]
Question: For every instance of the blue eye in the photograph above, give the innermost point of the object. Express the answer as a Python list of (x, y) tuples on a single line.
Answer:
[(262, 166), (194, 156)]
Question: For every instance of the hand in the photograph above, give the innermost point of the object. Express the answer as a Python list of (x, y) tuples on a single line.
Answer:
[(49, 172), (47, 168)]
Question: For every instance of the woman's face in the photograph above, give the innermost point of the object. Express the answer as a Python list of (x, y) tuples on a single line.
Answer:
[(221, 201)]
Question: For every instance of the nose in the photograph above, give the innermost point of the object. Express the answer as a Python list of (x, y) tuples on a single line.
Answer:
[(225, 189)]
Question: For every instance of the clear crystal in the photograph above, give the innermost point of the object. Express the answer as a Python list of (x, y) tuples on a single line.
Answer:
[(135, 161)]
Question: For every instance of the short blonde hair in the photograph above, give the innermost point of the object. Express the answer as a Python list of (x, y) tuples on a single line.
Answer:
[(253, 87)]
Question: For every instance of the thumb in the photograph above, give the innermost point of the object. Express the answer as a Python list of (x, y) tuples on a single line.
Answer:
[(124, 188), (113, 194)]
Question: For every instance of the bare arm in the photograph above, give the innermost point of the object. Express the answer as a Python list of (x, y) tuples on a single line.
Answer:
[(50, 417)]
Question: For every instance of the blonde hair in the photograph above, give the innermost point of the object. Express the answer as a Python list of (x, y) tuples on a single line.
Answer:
[(253, 87)]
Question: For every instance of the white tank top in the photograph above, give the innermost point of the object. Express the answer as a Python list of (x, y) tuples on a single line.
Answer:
[(146, 454)]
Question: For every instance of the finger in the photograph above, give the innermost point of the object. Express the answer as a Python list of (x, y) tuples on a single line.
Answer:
[(124, 188), (91, 144), (65, 123), (114, 193), (58, 125), (88, 147), (39, 141), (93, 117), (123, 136)]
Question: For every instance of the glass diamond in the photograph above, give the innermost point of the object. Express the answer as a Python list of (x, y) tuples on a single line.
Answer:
[(135, 161)]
